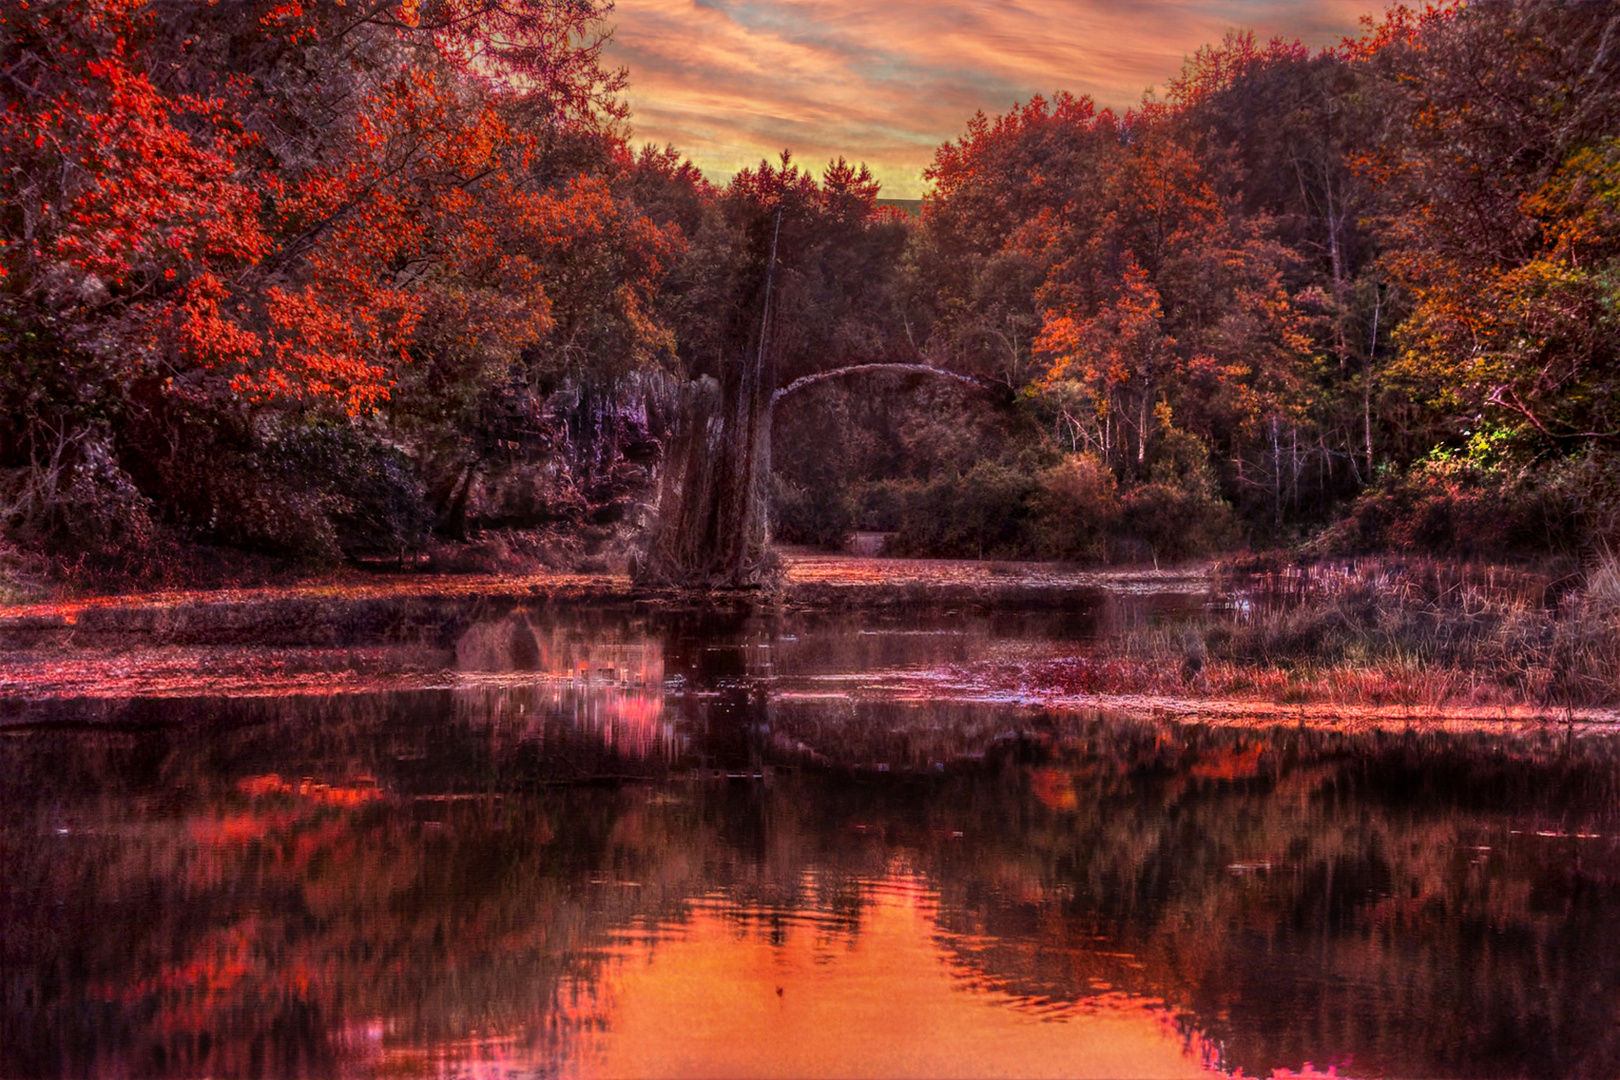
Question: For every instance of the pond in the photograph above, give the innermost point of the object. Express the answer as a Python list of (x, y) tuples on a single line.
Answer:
[(618, 842)]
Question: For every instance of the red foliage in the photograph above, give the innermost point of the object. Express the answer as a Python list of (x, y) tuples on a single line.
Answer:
[(207, 233)]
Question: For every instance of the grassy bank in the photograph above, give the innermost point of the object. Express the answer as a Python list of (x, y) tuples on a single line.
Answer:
[(1376, 632), (1373, 634)]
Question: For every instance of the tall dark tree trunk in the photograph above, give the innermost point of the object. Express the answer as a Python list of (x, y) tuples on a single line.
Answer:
[(453, 515), (713, 529), (713, 519)]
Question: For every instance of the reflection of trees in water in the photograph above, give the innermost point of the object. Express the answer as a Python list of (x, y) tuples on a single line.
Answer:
[(895, 736), (1295, 894), (256, 930), (1335, 902), (618, 649)]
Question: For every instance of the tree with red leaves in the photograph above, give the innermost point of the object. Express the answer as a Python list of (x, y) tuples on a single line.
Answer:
[(222, 216)]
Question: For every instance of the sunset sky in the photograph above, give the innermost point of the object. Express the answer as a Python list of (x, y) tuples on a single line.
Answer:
[(731, 81)]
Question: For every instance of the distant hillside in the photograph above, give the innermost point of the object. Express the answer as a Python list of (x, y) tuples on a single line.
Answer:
[(910, 206)]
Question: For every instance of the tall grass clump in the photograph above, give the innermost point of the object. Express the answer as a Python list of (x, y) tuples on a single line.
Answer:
[(1479, 633), (1382, 632)]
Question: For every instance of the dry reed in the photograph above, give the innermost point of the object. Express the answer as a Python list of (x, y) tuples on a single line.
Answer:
[(1380, 632)]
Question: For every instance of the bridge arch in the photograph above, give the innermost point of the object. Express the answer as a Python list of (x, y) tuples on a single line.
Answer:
[(714, 493)]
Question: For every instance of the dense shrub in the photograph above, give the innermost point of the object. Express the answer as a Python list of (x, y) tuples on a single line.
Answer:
[(78, 496), (1070, 510), (307, 489), (1586, 487), (1177, 522), (880, 505), (1076, 508), (365, 490), (1456, 507), (985, 512), (821, 516), (76, 515)]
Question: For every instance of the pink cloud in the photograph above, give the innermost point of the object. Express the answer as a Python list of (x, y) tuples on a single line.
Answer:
[(731, 81)]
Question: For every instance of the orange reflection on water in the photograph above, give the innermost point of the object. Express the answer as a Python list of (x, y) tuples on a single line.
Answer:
[(790, 993)]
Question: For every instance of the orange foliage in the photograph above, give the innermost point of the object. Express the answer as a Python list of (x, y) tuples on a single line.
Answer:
[(1054, 788), (295, 272), (1230, 763), (362, 791)]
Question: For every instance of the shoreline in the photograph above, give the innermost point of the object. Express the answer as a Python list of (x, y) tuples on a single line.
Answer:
[(29, 702), (356, 635), (364, 608)]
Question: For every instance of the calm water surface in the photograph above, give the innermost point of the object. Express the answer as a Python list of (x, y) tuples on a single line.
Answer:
[(618, 844)]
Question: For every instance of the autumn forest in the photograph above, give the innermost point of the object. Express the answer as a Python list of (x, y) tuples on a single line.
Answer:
[(482, 596), (288, 284)]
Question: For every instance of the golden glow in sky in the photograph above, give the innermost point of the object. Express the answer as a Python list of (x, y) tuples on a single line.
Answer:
[(731, 81)]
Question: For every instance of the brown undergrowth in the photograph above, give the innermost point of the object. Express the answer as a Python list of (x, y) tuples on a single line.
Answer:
[(1377, 632), (166, 563)]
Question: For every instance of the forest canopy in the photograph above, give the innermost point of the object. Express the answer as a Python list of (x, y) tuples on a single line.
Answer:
[(314, 281)]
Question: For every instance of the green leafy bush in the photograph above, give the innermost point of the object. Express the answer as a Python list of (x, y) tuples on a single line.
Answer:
[(1178, 522), (1452, 505), (820, 516), (985, 512), (1076, 507)]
